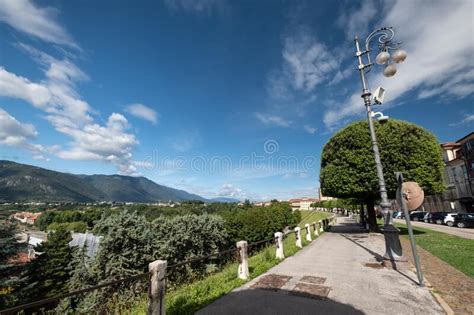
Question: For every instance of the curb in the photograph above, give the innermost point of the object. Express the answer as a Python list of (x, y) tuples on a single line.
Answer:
[(444, 305)]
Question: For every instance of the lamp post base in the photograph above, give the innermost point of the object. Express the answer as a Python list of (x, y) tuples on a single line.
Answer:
[(393, 247)]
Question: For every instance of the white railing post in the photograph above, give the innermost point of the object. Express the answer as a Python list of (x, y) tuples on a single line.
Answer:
[(321, 228), (308, 232), (316, 228), (298, 237), (243, 271), (279, 245), (156, 292)]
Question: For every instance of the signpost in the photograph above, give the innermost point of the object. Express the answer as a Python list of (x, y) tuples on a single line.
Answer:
[(410, 197)]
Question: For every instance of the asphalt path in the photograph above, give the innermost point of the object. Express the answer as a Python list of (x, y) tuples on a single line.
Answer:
[(464, 233)]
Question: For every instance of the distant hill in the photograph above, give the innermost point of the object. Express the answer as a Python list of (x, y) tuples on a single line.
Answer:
[(21, 182)]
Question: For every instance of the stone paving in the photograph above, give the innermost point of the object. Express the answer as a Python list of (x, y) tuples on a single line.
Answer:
[(338, 273), (456, 288)]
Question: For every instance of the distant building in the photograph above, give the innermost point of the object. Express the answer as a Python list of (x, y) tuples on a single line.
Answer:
[(262, 203), (302, 203), (78, 239), (324, 198), (26, 217), (458, 157), (89, 240)]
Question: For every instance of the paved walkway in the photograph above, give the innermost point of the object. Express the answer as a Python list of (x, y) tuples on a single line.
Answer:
[(464, 233), (338, 273)]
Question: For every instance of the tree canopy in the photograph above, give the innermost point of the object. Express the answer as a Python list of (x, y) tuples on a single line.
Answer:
[(348, 167)]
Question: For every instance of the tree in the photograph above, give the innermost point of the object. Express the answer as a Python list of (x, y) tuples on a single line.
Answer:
[(348, 167), (47, 275), (9, 269)]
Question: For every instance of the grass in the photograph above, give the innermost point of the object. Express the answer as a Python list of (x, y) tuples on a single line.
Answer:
[(190, 298), (455, 250), (312, 216)]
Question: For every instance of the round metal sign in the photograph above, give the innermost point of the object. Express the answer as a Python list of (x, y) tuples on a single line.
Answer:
[(413, 194)]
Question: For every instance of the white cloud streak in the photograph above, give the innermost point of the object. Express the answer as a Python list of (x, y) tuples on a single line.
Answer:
[(439, 59), (143, 112), (194, 6), (24, 16), (310, 129), (273, 120)]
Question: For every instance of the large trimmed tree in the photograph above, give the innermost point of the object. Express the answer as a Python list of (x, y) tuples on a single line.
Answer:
[(348, 166)]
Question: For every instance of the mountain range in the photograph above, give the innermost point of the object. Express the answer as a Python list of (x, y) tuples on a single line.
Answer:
[(24, 183)]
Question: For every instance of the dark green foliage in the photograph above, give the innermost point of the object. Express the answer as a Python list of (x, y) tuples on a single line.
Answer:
[(9, 249), (348, 167), (38, 184), (47, 275), (78, 226), (82, 219), (259, 223), (130, 243)]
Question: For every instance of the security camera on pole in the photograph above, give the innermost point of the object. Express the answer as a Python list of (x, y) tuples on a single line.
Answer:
[(393, 248)]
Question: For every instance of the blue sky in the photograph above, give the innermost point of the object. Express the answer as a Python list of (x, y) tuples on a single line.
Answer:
[(220, 98)]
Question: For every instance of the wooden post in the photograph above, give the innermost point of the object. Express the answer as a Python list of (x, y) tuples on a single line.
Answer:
[(308, 232), (157, 287), (298, 237), (243, 271), (279, 245)]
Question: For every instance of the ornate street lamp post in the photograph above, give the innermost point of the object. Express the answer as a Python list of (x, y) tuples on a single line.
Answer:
[(393, 249)]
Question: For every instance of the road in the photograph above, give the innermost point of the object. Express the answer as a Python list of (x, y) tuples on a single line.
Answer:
[(464, 233)]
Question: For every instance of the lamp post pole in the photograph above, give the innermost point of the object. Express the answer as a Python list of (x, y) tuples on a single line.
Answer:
[(393, 248)]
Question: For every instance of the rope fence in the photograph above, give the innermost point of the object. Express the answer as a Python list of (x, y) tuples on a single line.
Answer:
[(158, 269)]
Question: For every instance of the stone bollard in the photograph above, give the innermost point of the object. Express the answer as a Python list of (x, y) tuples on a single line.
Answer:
[(298, 237), (308, 232), (316, 228), (279, 245), (156, 292), (321, 228), (243, 271)]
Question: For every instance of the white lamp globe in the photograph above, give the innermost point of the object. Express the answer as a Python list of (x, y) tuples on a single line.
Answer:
[(382, 58), (399, 56), (390, 70)]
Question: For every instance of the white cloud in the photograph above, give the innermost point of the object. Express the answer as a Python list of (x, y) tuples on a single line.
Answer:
[(439, 51), (195, 6), (268, 119), (467, 119), (40, 157), (186, 140), (307, 61), (357, 22), (310, 129), (17, 134), (292, 89), (143, 112), (228, 190), (26, 17), (57, 97)]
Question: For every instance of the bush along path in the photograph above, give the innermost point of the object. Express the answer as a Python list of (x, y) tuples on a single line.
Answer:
[(191, 297)]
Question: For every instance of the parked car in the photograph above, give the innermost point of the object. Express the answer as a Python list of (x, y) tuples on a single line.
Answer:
[(449, 219), (435, 217), (398, 215), (417, 215), (463, 220)]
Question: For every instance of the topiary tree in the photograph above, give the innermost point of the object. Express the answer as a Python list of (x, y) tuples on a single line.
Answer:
[(348, 167)]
